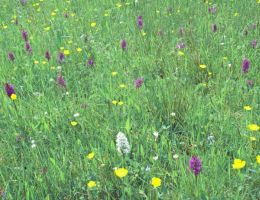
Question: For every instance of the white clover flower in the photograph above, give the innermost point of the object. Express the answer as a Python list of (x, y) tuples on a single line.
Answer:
[(156, 134), (122, 144), (76, 115)]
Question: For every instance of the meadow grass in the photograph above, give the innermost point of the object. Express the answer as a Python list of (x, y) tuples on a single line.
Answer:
[(58, 136)]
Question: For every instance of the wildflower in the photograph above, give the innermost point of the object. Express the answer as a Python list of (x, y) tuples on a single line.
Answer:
[(76, 115), (123, 44), (9, 89), (245, 65), (238, 164), (180, 46), (91, 155), (11, 56), (122, 144), (247, 108), (156, 182), (60, 81), (90, 62), (253, 127), (61, 57), (114, 102), (212, 9), (140, 22), (66, 52), (180, 53), (202, 66), (23, 2), (28, 47), (181, 31), (195, 165), (114, 73), (252, 138), (139, 82), (121, 172), (93, 24), (25, 35), (173, 114), (211, 139), (79, 49), (122, 85), (74, 123), (47, 55), (258, 159), (120, 103), (91, 184), (214, 28), (175, 156), (254, 43), (13, 97), (156, 135)]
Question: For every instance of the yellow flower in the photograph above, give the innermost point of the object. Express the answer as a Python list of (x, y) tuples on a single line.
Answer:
[(114, 102), (91, 184), (143, 33), (44, 62), (252, 138), (5, 26), (73, 14), (47, 28), (236, 14), (79, 49), (93, 24), (13, 96), (122, 85), (66, 52), (36, 62), (106, 14), (114, 73), (258, 159), (53, 13), (180, 53), (202, 66), (156, 182), (238, 164), (209, 73), (253, 127), (74, 123), (120, 103), (247, 108), (91, 155), (118, 5), (121, 172)]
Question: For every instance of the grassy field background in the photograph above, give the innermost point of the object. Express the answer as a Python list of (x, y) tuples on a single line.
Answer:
[(58, 136)]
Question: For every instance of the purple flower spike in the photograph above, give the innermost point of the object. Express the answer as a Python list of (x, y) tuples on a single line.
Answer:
[(140, 22), (60, 81), (195, 165), (123, 44), (181, 31), (47, 55), (214, 28), (28, 47), (212, 9), (250, 83), (25, 36), (254, 43), (245, 65), (9, 89), (23, 2), (11, 56), (139, 82), (90, 62), (180, 46), (61, 57)]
